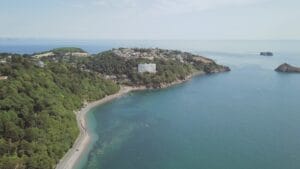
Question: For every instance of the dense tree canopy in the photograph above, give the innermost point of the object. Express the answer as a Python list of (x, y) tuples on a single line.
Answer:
[(37, 120)]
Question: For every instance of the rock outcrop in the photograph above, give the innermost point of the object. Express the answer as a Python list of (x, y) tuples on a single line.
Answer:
[(286, 68), (266, 53)]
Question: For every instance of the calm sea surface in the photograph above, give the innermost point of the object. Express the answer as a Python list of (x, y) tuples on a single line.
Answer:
[(248, 118)]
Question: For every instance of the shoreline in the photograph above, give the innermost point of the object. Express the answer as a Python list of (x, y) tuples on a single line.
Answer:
[(70, 158)]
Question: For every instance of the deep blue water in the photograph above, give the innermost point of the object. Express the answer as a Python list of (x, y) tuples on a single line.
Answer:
[(248, 118)]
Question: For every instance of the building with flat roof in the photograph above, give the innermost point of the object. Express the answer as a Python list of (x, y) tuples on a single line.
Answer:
[(40, 64), (147, 67), (3, 77)]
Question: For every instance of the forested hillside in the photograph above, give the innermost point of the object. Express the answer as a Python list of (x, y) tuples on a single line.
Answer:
[(121, 65), (37, 120)]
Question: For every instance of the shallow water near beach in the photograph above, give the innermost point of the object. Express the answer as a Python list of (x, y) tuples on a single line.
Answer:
[(244, 119), (248, 118)]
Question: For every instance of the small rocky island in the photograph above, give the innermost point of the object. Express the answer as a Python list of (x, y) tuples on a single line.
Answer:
[(286, 68), (266, 53)]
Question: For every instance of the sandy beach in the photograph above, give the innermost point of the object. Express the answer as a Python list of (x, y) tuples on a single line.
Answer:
[(70, 158)]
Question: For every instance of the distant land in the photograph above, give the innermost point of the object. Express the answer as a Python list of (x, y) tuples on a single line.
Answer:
[(287, 68), (41, 91)]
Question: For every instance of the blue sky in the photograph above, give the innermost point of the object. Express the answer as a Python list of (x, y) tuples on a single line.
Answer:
[(150, 19)]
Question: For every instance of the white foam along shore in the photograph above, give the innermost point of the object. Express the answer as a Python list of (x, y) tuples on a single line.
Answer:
[(84, 138)]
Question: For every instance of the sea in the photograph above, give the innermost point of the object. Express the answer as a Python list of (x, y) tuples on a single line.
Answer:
[(248, 118)]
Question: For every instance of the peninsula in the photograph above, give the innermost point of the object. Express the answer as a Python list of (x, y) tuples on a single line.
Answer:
[(41, 91)]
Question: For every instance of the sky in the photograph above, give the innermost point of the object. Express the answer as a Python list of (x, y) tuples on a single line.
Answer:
[(151, 19)]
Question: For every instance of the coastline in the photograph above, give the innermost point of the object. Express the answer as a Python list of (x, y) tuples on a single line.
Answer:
[(70, 158), (84, 138)]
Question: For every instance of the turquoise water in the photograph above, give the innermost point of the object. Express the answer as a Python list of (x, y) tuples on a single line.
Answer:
[(248, 118)]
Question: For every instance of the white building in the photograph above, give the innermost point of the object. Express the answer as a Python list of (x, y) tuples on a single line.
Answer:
[(40, 64), (151, 68), (3, 77), (77, 54)]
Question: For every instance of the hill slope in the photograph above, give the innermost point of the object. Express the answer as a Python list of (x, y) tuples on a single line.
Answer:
[(37, 120), (172, 65)]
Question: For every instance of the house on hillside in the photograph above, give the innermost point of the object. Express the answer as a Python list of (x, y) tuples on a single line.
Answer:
[(77, 54), (3, 77), (147, 67), (40, 64)]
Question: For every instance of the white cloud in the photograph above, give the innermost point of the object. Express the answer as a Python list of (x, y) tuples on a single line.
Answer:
[(179, 6), (170, 6), (100, 3), (114, 4)]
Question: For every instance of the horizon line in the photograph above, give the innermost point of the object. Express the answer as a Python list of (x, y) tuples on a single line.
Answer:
[(138, 39)]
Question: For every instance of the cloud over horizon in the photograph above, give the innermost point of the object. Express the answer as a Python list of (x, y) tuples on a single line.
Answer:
[(165, 6), (151, 19)]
